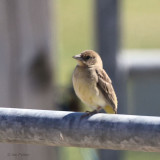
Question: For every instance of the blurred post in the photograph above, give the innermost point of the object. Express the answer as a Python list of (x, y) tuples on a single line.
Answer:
[(25, 66), (107, 21)]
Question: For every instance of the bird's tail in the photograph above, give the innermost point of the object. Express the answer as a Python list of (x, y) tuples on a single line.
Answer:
[(110, 110)]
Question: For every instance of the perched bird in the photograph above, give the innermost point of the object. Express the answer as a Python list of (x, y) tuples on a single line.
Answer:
[(92, 84)]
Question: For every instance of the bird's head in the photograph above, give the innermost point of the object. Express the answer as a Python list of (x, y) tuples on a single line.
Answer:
[(89, 58)]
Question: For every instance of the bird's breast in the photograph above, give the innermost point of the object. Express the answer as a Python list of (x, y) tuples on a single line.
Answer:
[(85, 86)]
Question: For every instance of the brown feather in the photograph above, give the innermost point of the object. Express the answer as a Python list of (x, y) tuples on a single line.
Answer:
[(105, 86)]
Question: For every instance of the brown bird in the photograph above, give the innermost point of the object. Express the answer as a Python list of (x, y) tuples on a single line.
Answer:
[(92, 84)]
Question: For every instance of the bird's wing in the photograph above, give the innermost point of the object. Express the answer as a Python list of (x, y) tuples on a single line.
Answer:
[(104, 84)]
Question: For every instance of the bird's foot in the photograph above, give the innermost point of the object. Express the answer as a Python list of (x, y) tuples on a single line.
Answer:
[(89, 113)]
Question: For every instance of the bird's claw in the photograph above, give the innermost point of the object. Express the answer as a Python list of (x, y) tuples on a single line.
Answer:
[(89, 113)]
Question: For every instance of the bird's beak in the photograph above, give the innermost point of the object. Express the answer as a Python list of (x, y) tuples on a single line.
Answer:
[(77, 57)]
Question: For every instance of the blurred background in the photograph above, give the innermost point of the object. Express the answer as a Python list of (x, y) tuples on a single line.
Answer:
[(37, 41)]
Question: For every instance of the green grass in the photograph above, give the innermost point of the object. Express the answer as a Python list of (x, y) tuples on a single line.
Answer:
[(70, 153), (141, 156), (75, 26), (141, 24)]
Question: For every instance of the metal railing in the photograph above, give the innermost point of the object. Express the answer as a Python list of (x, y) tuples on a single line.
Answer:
[(59, 128)]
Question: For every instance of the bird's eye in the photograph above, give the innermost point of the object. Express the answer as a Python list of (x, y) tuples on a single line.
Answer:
[(88, 57)]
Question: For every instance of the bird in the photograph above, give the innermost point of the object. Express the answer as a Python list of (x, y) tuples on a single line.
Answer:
[(92, 84)]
